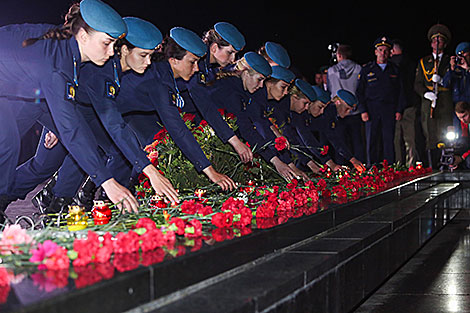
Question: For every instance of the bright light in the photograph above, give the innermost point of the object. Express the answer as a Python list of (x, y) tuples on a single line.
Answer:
[(451, 135)]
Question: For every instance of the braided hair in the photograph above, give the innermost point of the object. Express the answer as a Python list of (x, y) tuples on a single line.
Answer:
[(72, 24)]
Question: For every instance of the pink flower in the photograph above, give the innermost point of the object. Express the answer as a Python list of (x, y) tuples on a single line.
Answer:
[(50, 256), (13, 236)]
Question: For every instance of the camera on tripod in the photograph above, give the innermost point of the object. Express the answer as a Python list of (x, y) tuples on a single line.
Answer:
[(449, 148)]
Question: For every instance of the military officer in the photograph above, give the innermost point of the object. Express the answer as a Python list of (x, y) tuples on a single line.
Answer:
[(381, 102), (436, 100)]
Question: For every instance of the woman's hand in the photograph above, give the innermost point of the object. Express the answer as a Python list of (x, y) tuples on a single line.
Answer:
[(283, 169), (161, 184), (244, 152), (225, 182), (298, 172), (50, 140), (120, 196)]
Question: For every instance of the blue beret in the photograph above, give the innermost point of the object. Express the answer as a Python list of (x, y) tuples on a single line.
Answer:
[(347, 97), (230, 34), (282, 73), (462, 47), (101, 17), (383, 41), (277, 53), (188, 40), (258, 63), (306, 89), (142, 34), (321, 94)]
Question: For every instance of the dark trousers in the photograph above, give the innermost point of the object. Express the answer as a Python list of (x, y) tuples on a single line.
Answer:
[(380, 126)]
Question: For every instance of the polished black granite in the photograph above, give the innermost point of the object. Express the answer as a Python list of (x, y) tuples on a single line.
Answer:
[(436, 279), (330, 260)]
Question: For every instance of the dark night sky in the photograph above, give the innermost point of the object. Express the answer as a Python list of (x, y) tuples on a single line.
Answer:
[(304, 30)]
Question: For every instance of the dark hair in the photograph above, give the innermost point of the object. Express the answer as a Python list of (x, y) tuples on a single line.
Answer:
[(462, 107), (211, 36), (398, 43), (73, 23), (169, 49), (345, 51), (122, 42)]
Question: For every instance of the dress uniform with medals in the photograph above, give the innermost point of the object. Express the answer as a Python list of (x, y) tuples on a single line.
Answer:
[(47, 92), (96, 99), (434, 128), (381, 95)]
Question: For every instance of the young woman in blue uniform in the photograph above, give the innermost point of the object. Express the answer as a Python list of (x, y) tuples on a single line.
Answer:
[(325, 123), (34, 67), (99, 88), (300, 96), (233, 91), (152, 99), (223, 41), (268, 98)]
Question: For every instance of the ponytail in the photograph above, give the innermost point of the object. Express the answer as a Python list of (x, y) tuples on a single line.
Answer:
[(72, 24)]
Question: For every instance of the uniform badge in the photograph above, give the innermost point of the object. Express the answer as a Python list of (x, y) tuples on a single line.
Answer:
[(173, 98), (245, 104), (202, 78), (110, 90), (333, 125), (177, 100), (288, 120), (69, 91)]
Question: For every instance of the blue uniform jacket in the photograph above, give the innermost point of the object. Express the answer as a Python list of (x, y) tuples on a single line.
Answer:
[(197, 99), (303, 124), (280, 115), (100, 86), (155, 90), (326, 125), (380, 92), (49, 69), (228, 93)]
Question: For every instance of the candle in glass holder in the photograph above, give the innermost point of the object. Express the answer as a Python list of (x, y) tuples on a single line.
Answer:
[(77, 218), (101, 212)]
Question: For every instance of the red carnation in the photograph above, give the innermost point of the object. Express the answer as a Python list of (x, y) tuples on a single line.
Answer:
[(146, 223), (188, 117), (222, 220), (178, 225), (280, 143), (324, 150)]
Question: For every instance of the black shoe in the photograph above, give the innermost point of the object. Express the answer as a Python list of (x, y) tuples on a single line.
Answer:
[(4, 202), (86, 194), (58, 205), (43, 198)]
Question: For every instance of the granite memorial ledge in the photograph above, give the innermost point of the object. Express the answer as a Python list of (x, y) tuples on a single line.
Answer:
[(328, 261)]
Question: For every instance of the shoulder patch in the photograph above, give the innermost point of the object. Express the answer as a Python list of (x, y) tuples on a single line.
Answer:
[(70, 91), (111, 90)]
